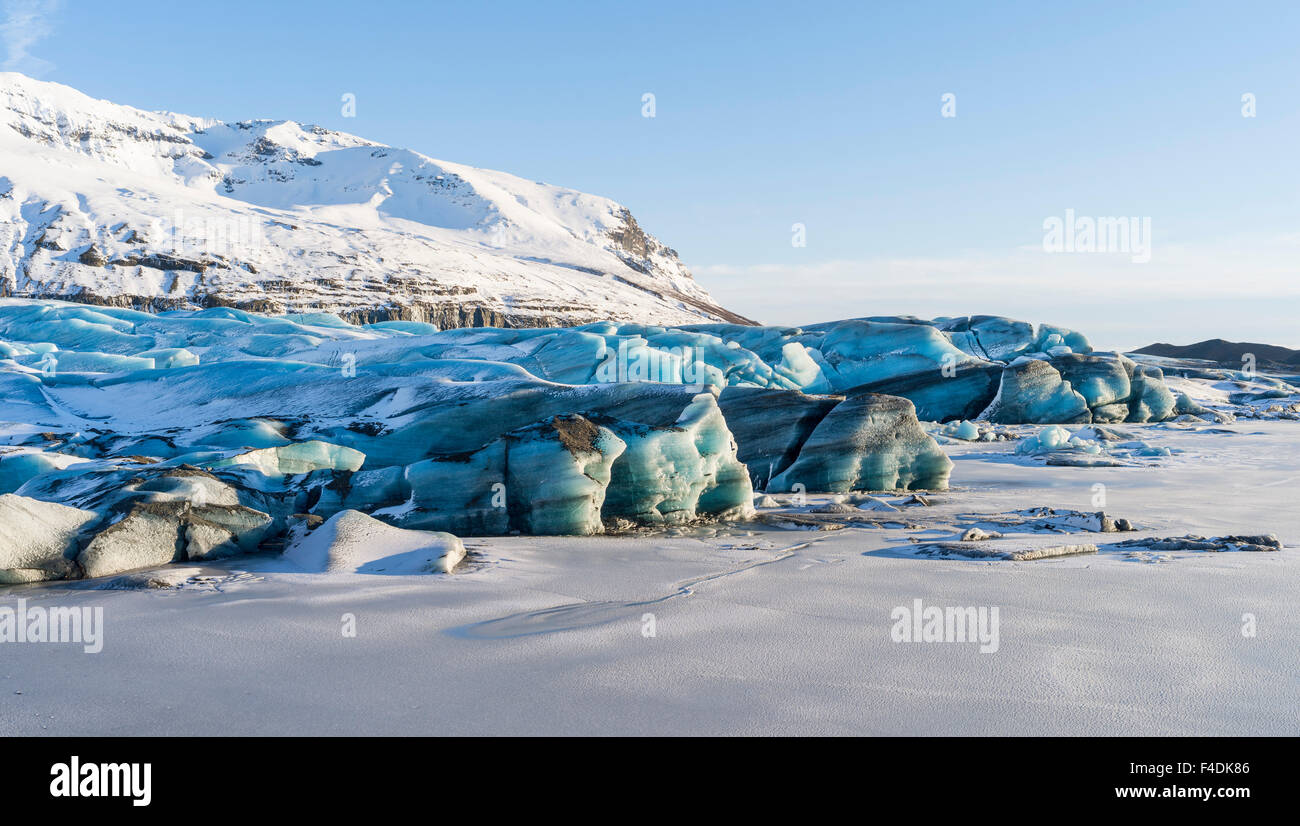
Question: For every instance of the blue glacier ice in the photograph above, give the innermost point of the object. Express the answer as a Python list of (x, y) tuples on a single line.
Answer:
[(867, 442), (1032, 390), (197, 434)]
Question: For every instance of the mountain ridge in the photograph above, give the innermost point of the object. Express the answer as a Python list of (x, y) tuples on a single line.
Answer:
[(1222, 351), (108, 204)]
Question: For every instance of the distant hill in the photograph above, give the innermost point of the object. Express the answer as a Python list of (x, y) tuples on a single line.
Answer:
[(1218, 350)]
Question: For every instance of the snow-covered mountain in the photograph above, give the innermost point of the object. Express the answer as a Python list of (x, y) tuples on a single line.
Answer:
[(108, 204)]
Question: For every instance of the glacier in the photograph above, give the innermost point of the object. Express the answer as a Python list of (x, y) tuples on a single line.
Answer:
[(198, 434)]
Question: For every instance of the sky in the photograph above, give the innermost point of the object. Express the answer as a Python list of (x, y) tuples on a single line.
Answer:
[(807, 161)]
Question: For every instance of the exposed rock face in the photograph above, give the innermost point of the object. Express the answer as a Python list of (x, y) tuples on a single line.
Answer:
[(92, 257), (113, 206)]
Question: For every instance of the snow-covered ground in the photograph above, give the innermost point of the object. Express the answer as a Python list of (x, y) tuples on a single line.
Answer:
[(757, 628)]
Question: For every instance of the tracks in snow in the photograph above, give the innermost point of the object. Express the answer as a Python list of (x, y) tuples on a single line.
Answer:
[(578, 615)]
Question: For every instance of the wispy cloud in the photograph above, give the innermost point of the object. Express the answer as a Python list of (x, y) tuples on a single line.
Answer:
[(26, 22)]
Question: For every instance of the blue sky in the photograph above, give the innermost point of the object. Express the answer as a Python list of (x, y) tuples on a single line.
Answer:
[(826, 115)]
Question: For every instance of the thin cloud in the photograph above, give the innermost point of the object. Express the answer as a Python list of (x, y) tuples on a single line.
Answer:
[(26, 22), (1247, 286)]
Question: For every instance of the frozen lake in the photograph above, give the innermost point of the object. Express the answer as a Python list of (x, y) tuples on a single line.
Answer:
[(757, 629)]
